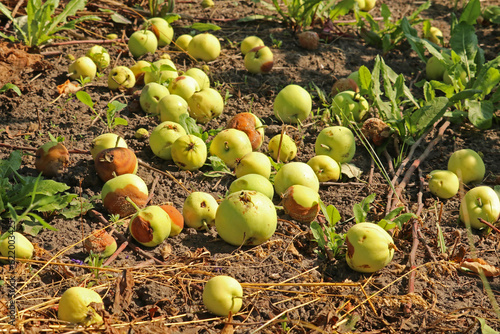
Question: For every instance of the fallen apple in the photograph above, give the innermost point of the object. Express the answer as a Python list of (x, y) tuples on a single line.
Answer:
[(434, 69), (121, 78), (443, 183), (100, 242), (295, 173), (222, 295), (249, 43), (162, 138), (337, 142), (184, 86), (104, 141), (99, 56), (369, 247), (204, 46), (176, 219), (293, 104), (253, 163), (139, 70), (200, 76), (51, 158), (230, 145), (16, 245), (287, 151), (301, 203), (182, 42), (142, 42), (434, 35), (366, 5), (171, 107), (162, 29), (205, 105), (141, 134), (80, 305), (251, 125), (260, 59), (246, 218), (151, 94), (189, 152), (255, 182), (199, 210), (150, 226), (115, 161), (308, 40), (83, 67), (325, 168), (479, 202), (344, 84), (468, 165), (116, 191), (164, 73), (350, 106)]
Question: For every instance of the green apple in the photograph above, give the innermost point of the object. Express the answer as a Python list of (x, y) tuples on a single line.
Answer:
[(434, 35), (230, 145), (199, 210), (325, 168), (337, 142), (479, 202), (293, 104), (301, 203), (204, 46), (151, 94), (171, 107), (288, 149), (355, 76), (121, 77), (253, 163), (104, 141), (468, 165), (222, 295), (434, 69), (161, 28), (369, 247), (150, 226), (251, 125), (249, 43), (139, 70), (182, 42), (115, 161), (443, 183), (462, 76), (115, 192), (350, 106), (99, 56), (366, 5), (260, 59), (168, 73), (246, 218), (142, 42), (16, 245), (83, 67), (295, 173), (200, 76), (205, 105), (189, 152), (254, 182), (184, 86), (79, 305), (162, 138)]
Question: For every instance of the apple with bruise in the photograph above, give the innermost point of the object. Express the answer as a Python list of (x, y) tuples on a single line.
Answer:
[(294, 173), (116, 191), (51, 158), (115, 161), (100, 242), (199, 210), (205, 105), (251, 125), (176, 218), (162, 138), (104, 141), (301, 203), (151, 95), (260, 59), (150, 226)]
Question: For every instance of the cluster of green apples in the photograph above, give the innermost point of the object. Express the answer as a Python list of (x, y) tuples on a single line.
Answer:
[(96, 59), (258, 58)]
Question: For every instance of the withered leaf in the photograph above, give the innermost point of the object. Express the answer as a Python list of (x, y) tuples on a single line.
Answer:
[(478, 265)]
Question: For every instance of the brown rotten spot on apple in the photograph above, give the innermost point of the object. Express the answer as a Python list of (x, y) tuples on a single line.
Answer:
[(116, 201), (247, 123), (141, 229), (376, 130)]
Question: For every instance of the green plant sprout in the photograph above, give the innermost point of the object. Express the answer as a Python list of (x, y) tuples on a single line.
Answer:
[(275, 42), (8, 86), (113, 107), (39, 26)]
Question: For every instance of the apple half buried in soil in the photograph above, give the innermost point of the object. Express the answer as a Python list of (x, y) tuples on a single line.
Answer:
[(246, 218), (337, 142), (162, 138), (222, 295), (116, 191), (79, 306), (251, 125), (18, 243), (230, 145), (326, 168), (100, 242), (479, 202), (115, 161), (150, 226), (254, 182), (199, 210), (105, 141), (369, 247), (189, 152), (176, 218), (253, 163), (51, 158), (295, 173), (468, 165), (288, 150), (293, 104), (443, 183), (301, 203), (259, 60)]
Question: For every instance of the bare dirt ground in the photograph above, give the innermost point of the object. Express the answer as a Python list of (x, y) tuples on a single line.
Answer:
[(166, 297)]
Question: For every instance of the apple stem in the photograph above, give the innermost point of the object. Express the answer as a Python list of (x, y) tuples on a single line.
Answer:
[(226, 146), (325, 146), (205, 225), (133, 204)]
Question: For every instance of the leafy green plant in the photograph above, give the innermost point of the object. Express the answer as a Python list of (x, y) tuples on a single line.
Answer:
[(113, 107), (22, 196), (39, 26), (8, 86), (160, 7), (96, 261), (329, 241)]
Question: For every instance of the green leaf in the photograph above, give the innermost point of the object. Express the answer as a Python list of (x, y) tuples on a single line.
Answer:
[(471, 12), (218, 165), (485, 329), (391, 215), (42, 221), (429, 114), (85, 98), (480, 113), (361, 209), (189, 124), (365, 78), (204, 26), (350, 170), (77, 207), (118, 18), (69, 10), (386, 224), (120, 121), (8, 86), (487, 78), (341, 8), (402, 219), (318, 234), (12, 164), (464, 42)]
